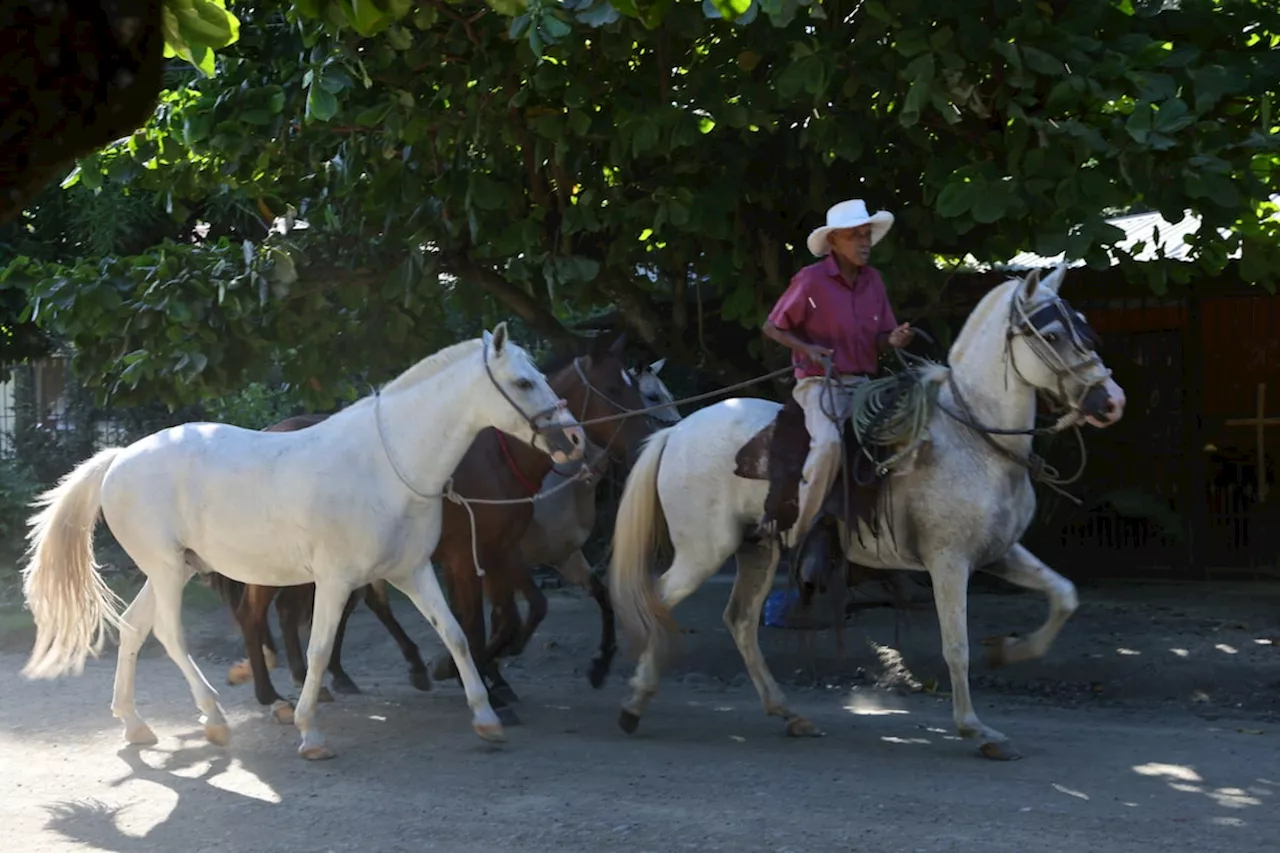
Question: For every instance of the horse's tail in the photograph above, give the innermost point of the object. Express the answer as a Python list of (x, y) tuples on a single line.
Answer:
[(67, 597), (639, 529)]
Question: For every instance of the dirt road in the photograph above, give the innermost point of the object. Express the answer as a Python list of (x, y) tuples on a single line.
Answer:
[(1140, 732)]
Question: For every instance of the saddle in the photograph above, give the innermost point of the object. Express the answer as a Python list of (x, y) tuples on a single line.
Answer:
[(777, 453)]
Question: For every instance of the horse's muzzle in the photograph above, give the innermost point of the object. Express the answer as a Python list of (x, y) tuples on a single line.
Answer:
[(568, 443), (1103, 405)]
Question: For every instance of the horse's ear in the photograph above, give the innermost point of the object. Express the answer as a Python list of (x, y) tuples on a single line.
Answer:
[(1030, 283), (656, 367), (498, 340), (618, 343), (1053, 281)]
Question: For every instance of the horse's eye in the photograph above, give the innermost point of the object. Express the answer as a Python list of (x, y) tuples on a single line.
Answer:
[(524, 384), (1051, 337)]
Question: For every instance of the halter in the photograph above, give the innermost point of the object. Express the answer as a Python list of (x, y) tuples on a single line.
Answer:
[(1088, 372), (531, 421), (591, 389)]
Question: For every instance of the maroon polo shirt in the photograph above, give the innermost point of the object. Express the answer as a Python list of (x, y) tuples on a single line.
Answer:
[(821, 307)]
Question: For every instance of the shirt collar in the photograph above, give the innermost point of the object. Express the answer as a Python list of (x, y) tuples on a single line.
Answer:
[(832, 269)]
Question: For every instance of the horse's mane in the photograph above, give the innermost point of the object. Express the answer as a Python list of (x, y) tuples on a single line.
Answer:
[(424, 369), (434, 363), (978, 316)]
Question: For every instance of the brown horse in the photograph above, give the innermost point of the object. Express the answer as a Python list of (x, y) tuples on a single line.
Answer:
[(495, 467)]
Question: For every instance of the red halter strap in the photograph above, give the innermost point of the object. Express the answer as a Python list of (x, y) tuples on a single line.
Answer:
[(511, 463)]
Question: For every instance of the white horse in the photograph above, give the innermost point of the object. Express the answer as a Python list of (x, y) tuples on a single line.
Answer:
[(343, 503), (655, 393), (961, 506)]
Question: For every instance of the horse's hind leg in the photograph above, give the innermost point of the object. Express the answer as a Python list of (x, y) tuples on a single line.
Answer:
[(950, 595), (576, 569), (1023, 568), (689, 570), (167, 584), (756, 567), (537, 612), (136, 624), (375, 597)]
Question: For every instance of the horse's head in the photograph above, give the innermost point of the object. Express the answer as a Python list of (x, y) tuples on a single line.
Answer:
[(1053, 348), (597, 385), (534, 411), (654, 392)]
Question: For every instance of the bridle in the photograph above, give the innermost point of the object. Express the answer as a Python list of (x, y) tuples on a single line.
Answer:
[(590, 389), (1088, 372), (559, 406)]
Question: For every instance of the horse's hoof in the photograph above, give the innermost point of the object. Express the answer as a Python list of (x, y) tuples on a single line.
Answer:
[(998, 649), (282, 713), (140, 735), (598, 672), (217, 734), (507, 715), (504, 693), (240, 673), (444, 669), (999, 751), (492, 732), (800, 727), (319, 752), (420, 679), (628, 722), (346, 687), (325, 695)]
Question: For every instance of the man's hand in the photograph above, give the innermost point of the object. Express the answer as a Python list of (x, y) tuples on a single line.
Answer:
[(902, 335), (816, 353)]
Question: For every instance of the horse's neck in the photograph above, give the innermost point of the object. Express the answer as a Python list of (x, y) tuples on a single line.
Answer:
[(427, 440), (533, 463), (991, 390)]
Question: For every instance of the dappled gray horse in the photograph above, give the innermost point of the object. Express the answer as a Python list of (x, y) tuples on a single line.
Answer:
[(960, 501)]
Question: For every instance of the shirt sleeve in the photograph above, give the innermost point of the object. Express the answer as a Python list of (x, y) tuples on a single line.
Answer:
[(887, 321), (792, 308)]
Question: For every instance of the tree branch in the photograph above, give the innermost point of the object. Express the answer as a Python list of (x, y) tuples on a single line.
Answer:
[(525, 306)]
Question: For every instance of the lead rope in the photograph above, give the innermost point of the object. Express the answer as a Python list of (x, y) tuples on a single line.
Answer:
[(450, 494)]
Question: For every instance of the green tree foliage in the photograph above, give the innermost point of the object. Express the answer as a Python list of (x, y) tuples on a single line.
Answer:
[(457, 161)]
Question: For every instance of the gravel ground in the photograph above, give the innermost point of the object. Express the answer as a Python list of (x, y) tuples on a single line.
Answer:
[(1152, 725)]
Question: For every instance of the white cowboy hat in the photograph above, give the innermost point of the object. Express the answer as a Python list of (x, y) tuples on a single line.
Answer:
[(849, 214)]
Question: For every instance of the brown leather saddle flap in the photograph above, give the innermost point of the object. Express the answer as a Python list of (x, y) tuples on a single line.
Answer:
[(777, 452)]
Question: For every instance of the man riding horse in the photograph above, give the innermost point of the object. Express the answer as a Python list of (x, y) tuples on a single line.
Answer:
[(836, 308)]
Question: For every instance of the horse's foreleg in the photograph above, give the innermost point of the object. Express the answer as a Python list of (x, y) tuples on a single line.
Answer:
[(537, 612), (253, 613), (250, 601), (330, 599), (375, 597), (342, 682), (1023, 568), (756, 567), (137, 620), (950, 595), (424, 591), (601, 663), (293, 605)]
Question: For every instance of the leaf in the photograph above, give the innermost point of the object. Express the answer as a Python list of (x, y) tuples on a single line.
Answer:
[(599, 14), (1042, 62), (645, 136), (321, 105), (990, 204), (1172, 116), (956, 199), (486, 193), (1138, 124), (731, 9)]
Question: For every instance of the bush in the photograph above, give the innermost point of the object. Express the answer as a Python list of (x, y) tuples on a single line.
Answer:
[(18, 488)]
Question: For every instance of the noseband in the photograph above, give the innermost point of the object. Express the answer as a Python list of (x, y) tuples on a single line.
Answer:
[(1088, 372)]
